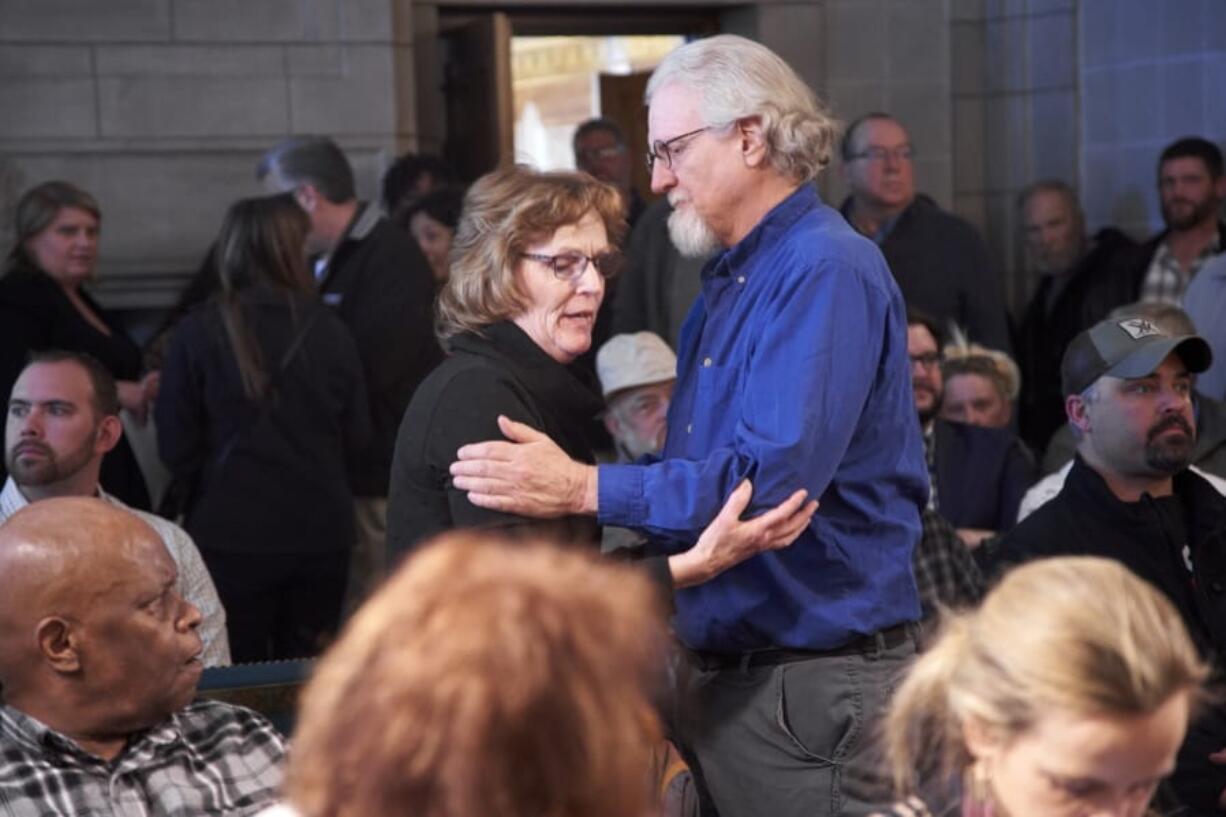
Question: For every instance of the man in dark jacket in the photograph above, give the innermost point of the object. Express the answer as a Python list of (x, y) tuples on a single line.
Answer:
[(379, 283), (1070, 263), (939, 261), (1131, 497)]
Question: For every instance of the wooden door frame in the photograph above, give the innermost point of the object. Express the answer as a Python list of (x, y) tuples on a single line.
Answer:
[(430, 21)]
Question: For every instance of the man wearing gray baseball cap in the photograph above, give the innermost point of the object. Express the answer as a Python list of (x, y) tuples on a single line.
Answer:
[(637, 373), (1131, 496)]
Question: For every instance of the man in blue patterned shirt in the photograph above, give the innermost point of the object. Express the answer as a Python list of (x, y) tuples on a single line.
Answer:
[(792, 372), (99, 660)]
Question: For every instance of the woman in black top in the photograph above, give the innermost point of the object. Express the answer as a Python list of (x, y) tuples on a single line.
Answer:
[(528, 272), (262, 399), (43, 306)]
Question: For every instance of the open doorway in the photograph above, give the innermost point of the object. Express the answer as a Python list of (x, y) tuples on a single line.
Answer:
[(559, 82), (515, 83)]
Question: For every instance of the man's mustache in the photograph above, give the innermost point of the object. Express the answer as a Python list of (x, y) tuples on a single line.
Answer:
[(22, 447), (1174, 421)]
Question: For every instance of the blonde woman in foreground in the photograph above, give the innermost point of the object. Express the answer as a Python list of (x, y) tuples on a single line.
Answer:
[(486, 678), (1068, 692)]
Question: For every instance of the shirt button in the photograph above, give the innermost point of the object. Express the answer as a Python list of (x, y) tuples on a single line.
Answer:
[(740, 279), (689, 428), (706, 362), (1216, 587)]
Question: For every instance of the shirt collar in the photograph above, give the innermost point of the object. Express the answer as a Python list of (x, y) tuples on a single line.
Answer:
[(883, 231), (24, 730), (364, 222), (37, 737), (13, 500), (765, 233), (1162, 255), (556, 384)]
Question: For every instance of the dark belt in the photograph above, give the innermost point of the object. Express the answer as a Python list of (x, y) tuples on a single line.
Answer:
[(872, 644)]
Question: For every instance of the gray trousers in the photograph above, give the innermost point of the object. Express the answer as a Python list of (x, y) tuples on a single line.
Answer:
[(793, 739)]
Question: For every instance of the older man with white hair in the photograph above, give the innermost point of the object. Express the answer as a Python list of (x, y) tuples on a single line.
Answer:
[(792, 370)]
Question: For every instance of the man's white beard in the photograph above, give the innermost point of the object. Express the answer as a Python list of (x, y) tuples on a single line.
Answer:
[(690, 234)]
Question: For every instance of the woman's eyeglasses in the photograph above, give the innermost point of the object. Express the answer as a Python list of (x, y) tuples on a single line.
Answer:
[(570, 266)]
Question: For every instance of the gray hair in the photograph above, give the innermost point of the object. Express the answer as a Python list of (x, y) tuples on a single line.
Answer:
[(737, 78), (314, 160)]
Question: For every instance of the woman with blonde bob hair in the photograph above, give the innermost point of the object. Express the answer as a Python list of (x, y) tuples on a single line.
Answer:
[(487, 678), (1068, 692)]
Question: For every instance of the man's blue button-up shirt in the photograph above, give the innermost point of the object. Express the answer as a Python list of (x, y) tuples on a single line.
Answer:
[(793, 372)]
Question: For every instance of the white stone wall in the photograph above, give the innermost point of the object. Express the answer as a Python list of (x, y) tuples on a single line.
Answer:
[(1150, 73), (161, 109), (894, 56), (1015, 117)]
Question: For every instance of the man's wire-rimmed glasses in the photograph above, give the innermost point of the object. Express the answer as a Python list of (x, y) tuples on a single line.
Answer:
[(664, 150)]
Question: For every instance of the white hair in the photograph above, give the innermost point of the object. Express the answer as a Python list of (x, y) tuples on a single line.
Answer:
[(738, 78)]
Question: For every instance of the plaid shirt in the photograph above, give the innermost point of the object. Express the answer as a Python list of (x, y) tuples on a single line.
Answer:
[(194, 583), (208, 758), (1165, 280), (946, 573)]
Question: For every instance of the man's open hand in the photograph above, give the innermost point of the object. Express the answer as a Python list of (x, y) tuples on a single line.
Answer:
[(528, 475), (728, 540)]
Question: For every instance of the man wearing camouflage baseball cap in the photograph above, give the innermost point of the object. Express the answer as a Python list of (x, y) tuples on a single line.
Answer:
[(1131, 496)]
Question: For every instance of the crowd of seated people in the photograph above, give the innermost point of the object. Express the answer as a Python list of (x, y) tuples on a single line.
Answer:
[(833, 464)]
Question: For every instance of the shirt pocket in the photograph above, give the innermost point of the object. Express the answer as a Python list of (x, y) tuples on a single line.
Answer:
[(716, 405)]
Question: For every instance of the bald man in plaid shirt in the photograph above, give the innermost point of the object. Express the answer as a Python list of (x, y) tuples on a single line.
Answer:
[(99, 661)]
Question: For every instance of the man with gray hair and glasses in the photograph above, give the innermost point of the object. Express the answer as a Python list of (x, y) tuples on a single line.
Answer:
[(940, 262), (793, 371)]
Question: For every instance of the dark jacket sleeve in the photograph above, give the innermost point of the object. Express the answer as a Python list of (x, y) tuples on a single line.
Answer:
[(388, 307), (422, 500), (1020, 545), (395, 300), (983, 307), (351, 386), (1018, 474), (645, 257), (24, 325), (982, 475), (180, 410), (467, 412)]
